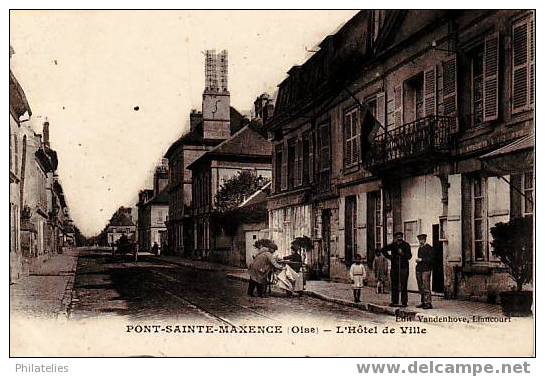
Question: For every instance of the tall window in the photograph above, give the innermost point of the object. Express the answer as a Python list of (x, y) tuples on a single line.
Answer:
[(528, 199), (413, 108), (324, 147), (292, 163), (16, 155), (352, 137), (479, 212), (306, 158), (10, 154), (278, 168), (207, 189), (372, 106), (324, 159), (477, 61)]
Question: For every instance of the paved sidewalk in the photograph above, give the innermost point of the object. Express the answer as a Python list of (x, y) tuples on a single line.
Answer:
[(47, 290), (341, 293)]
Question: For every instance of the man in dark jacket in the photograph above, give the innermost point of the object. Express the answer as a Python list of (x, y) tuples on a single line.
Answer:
[(423, 271), (262, 264), (399, 253)]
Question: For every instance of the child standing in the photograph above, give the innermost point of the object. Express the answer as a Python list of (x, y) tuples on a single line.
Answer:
[(380, 267), (358, 275)]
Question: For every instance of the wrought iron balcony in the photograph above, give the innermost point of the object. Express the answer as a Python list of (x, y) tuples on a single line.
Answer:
[(412, 142)]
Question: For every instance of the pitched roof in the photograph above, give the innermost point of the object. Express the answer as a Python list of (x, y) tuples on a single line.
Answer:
[(248, 142), (258, 197), (195, 136), (121, 220), (161, 198), (17, 98)]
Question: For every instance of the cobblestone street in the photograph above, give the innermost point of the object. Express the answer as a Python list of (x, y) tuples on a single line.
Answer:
[(111, 294), (117, 286)]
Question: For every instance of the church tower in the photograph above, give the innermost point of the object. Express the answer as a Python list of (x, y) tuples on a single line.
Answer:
[(216, 97)]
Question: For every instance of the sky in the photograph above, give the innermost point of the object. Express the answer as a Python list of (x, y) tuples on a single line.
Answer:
[(86, 71)]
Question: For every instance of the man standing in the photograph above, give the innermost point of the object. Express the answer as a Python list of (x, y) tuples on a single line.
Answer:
[(399, 255), (262, 264), (423, 271)]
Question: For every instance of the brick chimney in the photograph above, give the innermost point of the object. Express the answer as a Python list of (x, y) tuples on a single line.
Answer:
[(195, 117), (46, 133), (160, 178)]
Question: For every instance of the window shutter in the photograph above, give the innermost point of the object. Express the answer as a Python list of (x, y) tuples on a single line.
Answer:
[(318, 150), (347, 140), (491, 80), (10, 153), (311, 157), (520, 67), (273, 166), (430, 91), (340, 234), (450, 88), (299, 162), (532, 59), (284, 177), (381, 108), (398, 106), (16, 148), (325, 147), (356, 129)]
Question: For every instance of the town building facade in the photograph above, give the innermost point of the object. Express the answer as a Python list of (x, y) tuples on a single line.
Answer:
[(248, 149), (38, 208), (452, 93), (19, 112), (153, 211), (121, 224)]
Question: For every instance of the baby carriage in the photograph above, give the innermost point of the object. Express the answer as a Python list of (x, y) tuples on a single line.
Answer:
[(289, 280)]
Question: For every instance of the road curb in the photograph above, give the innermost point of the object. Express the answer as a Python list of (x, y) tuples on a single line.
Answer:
[(68, 294), (238, 277), (189, 264)]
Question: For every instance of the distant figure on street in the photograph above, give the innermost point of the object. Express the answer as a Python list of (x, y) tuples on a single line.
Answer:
[(399, 255), (380, 267), (135, 251), (358, 276), (260, 267), (155, 248), (423, 271)]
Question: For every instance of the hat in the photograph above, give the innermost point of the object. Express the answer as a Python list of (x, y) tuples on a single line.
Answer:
[(266, 243), (423, 235), (398, 234)]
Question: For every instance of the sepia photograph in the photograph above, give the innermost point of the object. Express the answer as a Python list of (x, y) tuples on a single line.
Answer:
[(272, 183)]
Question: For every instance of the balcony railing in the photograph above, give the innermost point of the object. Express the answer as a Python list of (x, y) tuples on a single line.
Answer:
[(422, 138)]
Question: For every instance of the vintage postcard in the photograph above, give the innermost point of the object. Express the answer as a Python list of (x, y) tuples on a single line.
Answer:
[(272, 183)]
